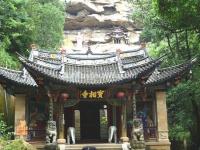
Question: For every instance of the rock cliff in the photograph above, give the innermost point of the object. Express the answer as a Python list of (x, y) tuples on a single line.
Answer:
[(90, 22)]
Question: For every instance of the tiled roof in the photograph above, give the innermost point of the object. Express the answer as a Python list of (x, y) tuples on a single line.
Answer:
[(107, 69), (17, 77), (162, 75), (101, 74)]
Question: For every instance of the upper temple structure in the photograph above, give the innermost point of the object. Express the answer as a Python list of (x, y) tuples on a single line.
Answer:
[(102, 77)]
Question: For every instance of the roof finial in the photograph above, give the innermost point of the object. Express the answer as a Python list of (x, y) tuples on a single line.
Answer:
[(33, 46), (6, 65), (79, 41), (143, 47), (34, 52), (119, 61), (24, 73), (89, 51)]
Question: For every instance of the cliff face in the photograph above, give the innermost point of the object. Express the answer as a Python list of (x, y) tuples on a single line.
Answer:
[(92, 20)]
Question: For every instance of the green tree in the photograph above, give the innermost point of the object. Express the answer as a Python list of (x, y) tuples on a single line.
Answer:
[(23, 22), (48, 20), (15, 24), (15, 30), (172, 27), (4, 129)]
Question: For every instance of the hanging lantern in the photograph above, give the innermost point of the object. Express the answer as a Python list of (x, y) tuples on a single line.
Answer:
[(64, 96), (120, 94)]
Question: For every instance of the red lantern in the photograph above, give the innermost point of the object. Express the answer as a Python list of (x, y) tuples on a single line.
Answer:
[(64, 96), (120, 94)]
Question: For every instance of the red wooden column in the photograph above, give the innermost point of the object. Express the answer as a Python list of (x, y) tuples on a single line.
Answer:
[(61, 137), (124, 138)]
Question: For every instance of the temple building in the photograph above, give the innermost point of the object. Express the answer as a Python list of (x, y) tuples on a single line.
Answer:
[(92, 91), (97, 80)]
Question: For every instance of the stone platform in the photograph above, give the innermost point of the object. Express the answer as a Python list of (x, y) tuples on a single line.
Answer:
[(107, 146), (102, 146), (99, 146)]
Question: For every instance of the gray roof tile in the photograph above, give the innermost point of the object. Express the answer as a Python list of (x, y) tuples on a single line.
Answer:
[(17, 77), (92, 74), (160, 76)]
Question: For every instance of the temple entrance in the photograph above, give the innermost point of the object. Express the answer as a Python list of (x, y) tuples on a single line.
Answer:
[(89, 121)]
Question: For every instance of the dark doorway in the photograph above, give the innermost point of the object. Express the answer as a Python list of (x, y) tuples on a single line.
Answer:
[(90, 121)]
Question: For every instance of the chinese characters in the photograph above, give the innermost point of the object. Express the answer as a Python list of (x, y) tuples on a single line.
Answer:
[(92, 94)]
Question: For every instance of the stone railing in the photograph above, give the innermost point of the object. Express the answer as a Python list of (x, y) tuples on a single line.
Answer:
[(36, 134), (150, 133)]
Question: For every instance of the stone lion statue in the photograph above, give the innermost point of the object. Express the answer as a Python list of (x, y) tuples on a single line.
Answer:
[(137, 132), (51, 133)]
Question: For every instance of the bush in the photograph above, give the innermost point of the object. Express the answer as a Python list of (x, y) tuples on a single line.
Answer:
[(15, 145), (18, 145), (4, 129)]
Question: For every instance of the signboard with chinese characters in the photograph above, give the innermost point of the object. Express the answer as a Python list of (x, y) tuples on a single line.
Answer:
[(92, 94)]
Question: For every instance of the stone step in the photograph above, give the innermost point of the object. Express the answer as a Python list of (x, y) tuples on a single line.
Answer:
[(102, 146)]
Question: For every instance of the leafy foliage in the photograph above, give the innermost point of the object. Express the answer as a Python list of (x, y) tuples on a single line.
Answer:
[(48, 19), (15, 24), (7, 60), (23, 22), (183, 114), (172, 27), (16, 145), (4, 129)]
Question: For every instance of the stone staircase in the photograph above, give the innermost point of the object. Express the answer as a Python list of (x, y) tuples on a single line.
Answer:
[(102, 146)]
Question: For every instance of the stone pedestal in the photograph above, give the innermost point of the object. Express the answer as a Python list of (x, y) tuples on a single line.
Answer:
[(61, 144), (124, 139), (50, 146), (137, 145), (158, 145)]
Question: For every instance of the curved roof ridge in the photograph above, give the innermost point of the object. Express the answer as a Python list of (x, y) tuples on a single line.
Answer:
[(159, 60), (131, 51), (17, 77), (44, 60), (93, 53), (135, 60), (86, 53), (89, 65), (23, 59), (178, 65), (91, 58), (48, 51), (169, 73), (11, 70)]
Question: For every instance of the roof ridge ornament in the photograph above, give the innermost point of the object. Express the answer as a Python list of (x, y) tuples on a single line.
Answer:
[(118, 34), (119, 61), (143, 47), (89, 51), (63, 60), (34, 52), (24, 73), (79, 41)]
